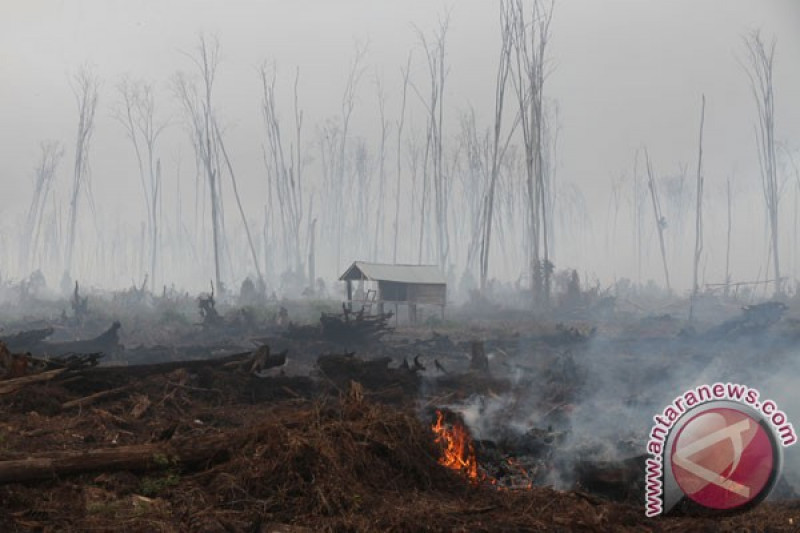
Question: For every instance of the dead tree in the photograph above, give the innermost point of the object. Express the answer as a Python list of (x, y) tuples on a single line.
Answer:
[(80, 304), (698, 228), (197, 104), (44, 175), (335, 150), (759, 70), (362, 176), (531, 34), (475, 179), (412, 154), (85, 87), (424, 194), (239, 204), (400, 123), (728, 240), (661, 222), (435, 55), (284, 169), (312, 261), (497, 151), (136, 113), (377, 245)]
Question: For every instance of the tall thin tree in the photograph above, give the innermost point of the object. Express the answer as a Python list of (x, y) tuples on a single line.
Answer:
[(435, 54), (400, 123), (136, 111), (44, 176), (698, 227), (497, 151), (760, 69), (198, 105), (661, 222), (85, 86), (531, 35)]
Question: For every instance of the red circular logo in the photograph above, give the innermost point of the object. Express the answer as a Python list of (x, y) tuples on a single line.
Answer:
[(723, 458)]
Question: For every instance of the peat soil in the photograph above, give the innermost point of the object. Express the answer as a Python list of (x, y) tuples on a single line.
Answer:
[(338, 436)]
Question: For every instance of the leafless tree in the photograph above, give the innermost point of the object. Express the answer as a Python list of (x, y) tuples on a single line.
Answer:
[(337, 160), (728, 239), (250, 243), (197, 103), (44, 176), (136, 112), (285, 168), (661, 222), (412, 154), (400, 123), (362, 176), (498, 147), (434, 49), (384, 129), (424, 193), (698, 228), (760, 57), (85, 85), (475, 182), (531, 34)]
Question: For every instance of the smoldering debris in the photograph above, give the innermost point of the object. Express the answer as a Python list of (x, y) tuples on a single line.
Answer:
[(544, 429)]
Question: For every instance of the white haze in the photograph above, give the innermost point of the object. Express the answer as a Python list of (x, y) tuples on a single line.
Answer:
[(627, 75)]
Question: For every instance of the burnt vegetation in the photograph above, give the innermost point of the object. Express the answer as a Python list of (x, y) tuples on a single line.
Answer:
[(267, 417), (481, 386)]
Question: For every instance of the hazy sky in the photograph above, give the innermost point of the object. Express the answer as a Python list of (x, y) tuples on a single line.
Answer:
[(627, 74)]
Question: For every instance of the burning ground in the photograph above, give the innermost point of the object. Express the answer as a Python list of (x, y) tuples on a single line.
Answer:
[(253, 422)]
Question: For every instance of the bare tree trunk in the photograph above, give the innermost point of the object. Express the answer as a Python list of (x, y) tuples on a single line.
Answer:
[(297, 184), (51, 154), (435, 55), (660, 221), (85, 89), (506, 21), (239, 204), (312, 263), (198, 107), (412, 148), (136, 113), (400, 124), (728, 242), (698, 228), (348, 105), (377, 246), (759, 71), (423, 202), (288, 176), (530, 38)]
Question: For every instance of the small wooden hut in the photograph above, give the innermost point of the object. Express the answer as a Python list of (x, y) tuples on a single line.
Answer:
[(410, 285)]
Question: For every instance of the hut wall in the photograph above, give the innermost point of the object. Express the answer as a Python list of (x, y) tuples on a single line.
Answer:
[(392, 291), (427, 293)]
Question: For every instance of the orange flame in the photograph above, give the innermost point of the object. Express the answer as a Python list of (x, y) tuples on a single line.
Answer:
[(458, 451)]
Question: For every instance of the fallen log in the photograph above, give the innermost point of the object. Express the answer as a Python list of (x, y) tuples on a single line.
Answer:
[(140, 457), (131, 371), (107, 343), (13, 385), (88, 400), (26, 341)]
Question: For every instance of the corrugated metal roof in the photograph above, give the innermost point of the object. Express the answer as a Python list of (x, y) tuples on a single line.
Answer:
[(397, 273)]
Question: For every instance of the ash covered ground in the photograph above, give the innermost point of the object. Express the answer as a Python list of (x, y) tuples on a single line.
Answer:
[(178, 413)]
